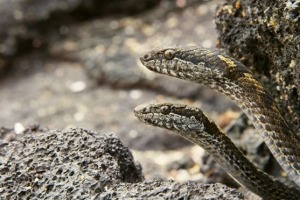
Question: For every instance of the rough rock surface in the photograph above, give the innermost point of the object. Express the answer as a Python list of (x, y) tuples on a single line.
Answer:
[(81, 164), (264, 35), (60, 164), (156, 189)]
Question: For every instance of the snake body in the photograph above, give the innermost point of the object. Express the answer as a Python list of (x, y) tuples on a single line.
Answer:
[(230, 77), (192, 124)]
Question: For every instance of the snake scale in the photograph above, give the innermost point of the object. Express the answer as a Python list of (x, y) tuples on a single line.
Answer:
[(228, 76), (192, 124)]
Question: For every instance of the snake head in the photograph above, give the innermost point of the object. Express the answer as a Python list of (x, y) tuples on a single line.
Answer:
[(176, 117), (174, 61), (195, 64)]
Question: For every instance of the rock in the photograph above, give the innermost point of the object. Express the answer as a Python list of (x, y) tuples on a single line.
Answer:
[(10, 134), (264, 36), (81, 164), (75, 163), (35, 164), (21, 11), (214, 173), (25, 24), (156, 189)]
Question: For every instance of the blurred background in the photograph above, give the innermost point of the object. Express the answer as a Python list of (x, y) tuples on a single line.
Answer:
[(75, 63)]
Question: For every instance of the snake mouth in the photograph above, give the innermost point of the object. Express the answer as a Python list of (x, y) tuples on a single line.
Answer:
[(139, 110), (148, 61), (143, 113)]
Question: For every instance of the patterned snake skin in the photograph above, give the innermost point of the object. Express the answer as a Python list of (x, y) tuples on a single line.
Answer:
[(192, 124), (230, 77)]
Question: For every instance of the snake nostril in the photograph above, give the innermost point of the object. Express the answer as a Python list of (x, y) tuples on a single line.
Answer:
[(146, 57)]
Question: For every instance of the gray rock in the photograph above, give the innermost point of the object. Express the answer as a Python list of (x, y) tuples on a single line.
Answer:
[(22, 11), (264, 35), (81, 164), (60, 164), (159, 190), (9, 134), (25, 24)]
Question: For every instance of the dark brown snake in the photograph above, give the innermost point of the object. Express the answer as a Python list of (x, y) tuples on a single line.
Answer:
[(230, 77)]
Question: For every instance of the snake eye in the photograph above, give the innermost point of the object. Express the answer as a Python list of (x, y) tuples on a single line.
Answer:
[(165, 110), (169, 54)]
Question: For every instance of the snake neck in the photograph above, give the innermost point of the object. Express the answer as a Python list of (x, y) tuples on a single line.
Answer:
[(261, 109), (232, 78)]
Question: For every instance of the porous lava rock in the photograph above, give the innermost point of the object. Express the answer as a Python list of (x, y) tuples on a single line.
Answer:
[(264, 35), (61, 164), (160, 190)]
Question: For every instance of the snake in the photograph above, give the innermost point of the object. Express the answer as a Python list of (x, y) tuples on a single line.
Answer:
[(230, 77), (192, 124)]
